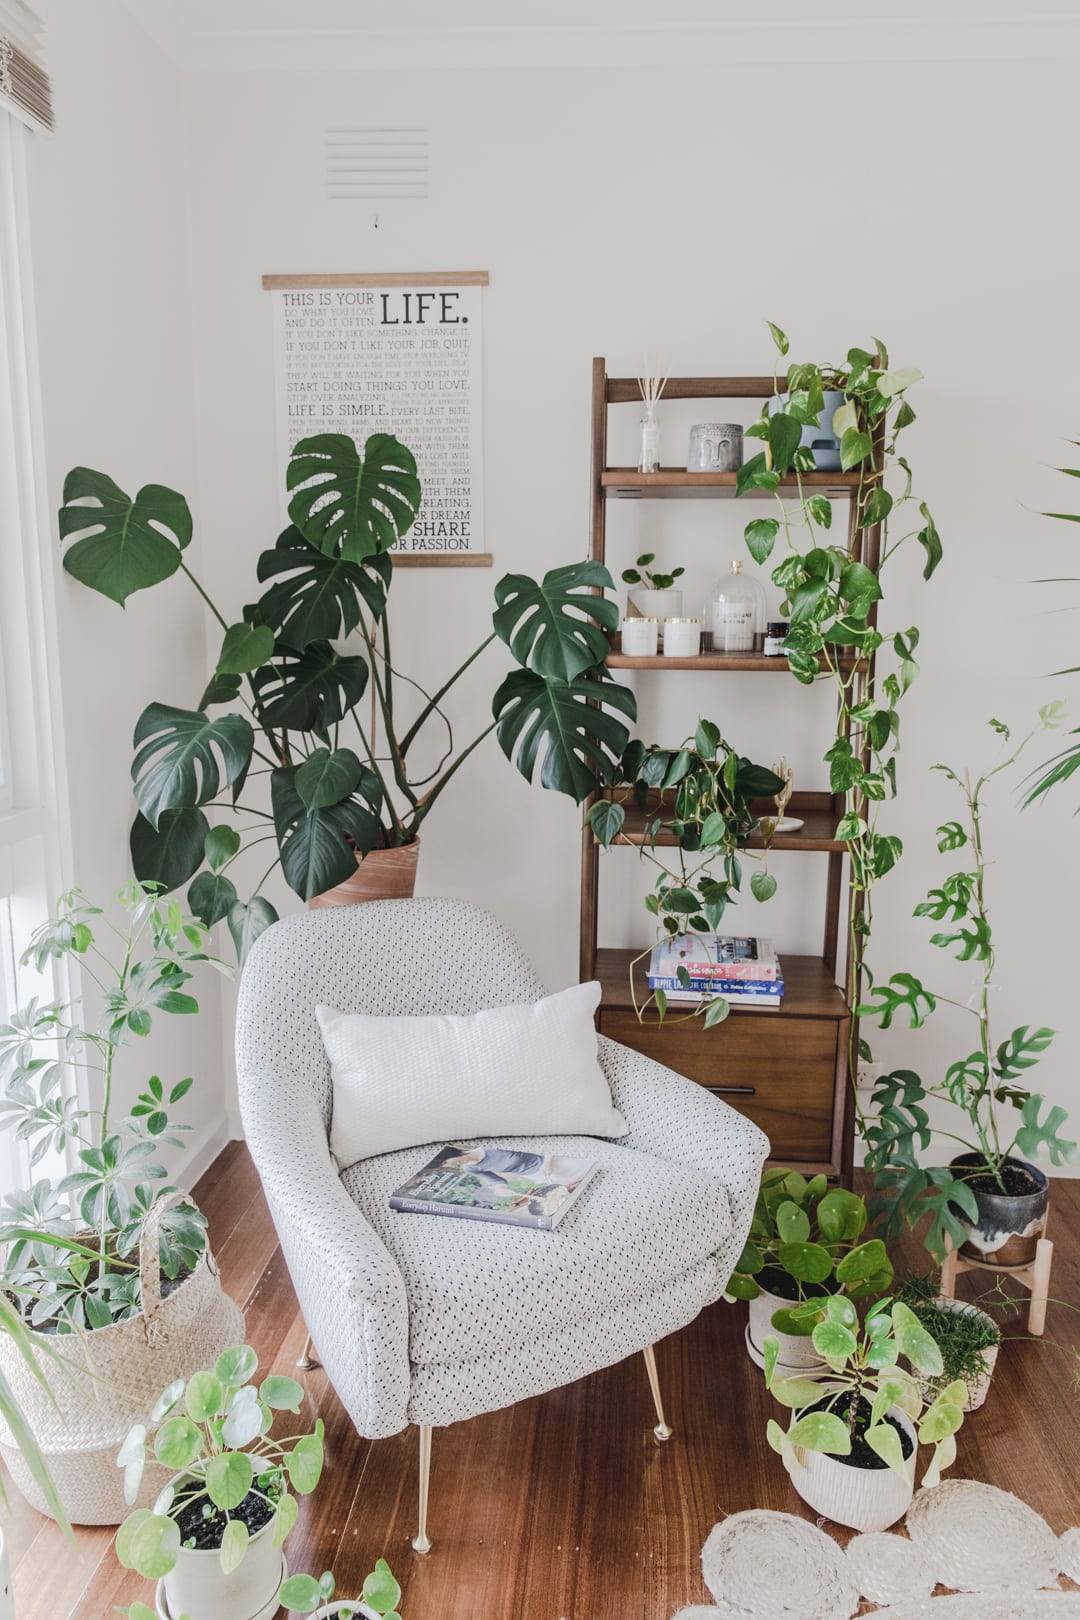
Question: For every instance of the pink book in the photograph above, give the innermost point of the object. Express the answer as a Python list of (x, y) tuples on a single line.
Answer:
[(715, 956)]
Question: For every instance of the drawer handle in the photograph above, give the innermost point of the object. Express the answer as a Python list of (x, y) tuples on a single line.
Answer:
[(733, 1091)]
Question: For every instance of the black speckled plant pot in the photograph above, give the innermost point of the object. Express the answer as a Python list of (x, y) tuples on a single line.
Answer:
[(1009, 1224)]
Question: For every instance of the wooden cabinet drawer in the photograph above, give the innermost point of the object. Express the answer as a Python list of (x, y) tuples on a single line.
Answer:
[(783, 1075)]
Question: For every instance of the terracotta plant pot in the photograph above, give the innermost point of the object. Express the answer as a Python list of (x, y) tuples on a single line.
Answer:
[(862, 1498), (385, 874), (797, 1353), (1010, 1224)]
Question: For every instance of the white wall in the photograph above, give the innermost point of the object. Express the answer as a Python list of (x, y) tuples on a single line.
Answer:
[(111, 239)]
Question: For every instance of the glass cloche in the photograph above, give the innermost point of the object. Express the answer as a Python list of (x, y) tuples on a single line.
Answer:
[(735, 612)]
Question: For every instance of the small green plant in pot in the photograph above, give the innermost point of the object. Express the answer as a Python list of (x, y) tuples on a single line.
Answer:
[(966, 1335), (850, 1447), (303, 1594), (805, 1245), (652, 593), (215, 1533)]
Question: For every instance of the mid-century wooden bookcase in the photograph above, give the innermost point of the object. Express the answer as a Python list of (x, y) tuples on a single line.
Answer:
[(788, 1069)]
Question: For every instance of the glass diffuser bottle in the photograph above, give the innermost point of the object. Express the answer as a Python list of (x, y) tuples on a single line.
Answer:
[(735, 612)]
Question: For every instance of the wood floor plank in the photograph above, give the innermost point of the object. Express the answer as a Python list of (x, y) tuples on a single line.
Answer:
[(565, 1507)]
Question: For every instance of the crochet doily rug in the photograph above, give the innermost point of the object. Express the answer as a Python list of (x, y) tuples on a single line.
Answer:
[(997, 1558)]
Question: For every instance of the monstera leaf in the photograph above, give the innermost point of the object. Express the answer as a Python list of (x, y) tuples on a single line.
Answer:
[(556, 627), (317, 597), (328, 776), (171, 852), (315, 851), (308, 689), (183, 757), (127, 544), (351, 503), (563, 727)]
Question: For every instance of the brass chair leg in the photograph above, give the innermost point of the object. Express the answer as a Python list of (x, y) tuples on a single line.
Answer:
[(307, 1360), (421, 1543), (662, 1430)]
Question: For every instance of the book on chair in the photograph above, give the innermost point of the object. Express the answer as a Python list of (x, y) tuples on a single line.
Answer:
[(511, 1185)]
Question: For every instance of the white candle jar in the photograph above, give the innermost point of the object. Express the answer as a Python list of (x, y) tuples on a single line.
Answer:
[(640, 637), (682, 638)]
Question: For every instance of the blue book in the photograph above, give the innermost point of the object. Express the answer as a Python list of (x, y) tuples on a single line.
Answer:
[(771, 989)]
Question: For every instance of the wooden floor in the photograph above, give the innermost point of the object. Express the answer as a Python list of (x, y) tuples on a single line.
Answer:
[(564, 1507)]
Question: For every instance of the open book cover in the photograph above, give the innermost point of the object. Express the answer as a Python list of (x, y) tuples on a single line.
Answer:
[(496, 1184)]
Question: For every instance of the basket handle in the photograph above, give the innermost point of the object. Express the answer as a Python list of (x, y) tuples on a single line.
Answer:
[(149, 1262)]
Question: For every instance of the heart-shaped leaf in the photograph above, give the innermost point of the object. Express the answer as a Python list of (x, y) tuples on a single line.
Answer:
[(244, 648), (309, 688), (564, 729), (821, 1431), (317, 597), (182, 757), (171, 852), (606, 820), (556, 627), (348, 503), (318, 847), (247, 920), (222, 843), (327, 776), (211, 897), (127, 544)]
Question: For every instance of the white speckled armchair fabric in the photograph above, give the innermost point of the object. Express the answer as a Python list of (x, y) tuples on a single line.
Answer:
[(421, 1320)]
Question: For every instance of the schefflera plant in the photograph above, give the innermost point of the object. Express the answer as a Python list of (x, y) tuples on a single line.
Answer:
[(866, 1376), (212, 1431)]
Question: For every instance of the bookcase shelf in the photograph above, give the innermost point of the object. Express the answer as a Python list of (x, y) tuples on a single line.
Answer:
[(786, 1069)]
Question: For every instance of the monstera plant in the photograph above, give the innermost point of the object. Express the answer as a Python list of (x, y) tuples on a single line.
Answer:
[(284, 698)]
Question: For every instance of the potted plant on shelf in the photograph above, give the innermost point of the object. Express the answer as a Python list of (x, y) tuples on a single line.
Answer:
[(967, 1337), (345, 810), (652, 594), (850, 1445), (700, 798), (214, 1535), (804, 1246), (989, 1201), (126, 1290), (303, 1594)]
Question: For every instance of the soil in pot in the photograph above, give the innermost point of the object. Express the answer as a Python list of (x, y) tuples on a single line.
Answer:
[(862, 1455), (202, 1525), (772, 1280)]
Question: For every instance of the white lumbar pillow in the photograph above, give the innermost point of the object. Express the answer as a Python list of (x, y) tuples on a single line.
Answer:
[(401, 1082)]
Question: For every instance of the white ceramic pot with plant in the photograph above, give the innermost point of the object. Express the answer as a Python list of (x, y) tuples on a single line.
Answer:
[(303, 1594), (652, 594), (214, 1536), (851, 1443), (968, 1338)]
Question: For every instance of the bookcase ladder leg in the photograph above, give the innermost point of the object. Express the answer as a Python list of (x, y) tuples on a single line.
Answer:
[(1040, 1287), (662, 1430), (307, 1358), (421, 1543), (948, 1272)]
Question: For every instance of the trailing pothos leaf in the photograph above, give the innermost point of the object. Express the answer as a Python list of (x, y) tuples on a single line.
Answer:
[(982, 1085), (291, 691)]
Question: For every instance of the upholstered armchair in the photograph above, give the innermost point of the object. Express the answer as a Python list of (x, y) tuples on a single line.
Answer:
[(420, 1320)]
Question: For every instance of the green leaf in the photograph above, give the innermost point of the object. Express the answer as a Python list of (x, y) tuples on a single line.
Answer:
[(1036, 1134), (149, 1543), (838, 1308), (834, 1341), (316, 852), (204, 1397), (381, 1590), (885, 1441), (1021, 1051), (742, 1287), (854, 447), (840, 1215), (796, 1393), (285, 1515), (301, 1594), (716, 1011), (785, 434), (235, 1366), (350, 503), (305, 1462), (281, 1394), (760, 536), (606, 820), (820, 510), (211, 897), (945, 1415), (247, 920), (310, 688), (974, 942), (775, 1436), (234, 1544), (221, 844), (762, 886), (792, 1223), (182, 757), (866, 1260), (930, 540), (563, 729), (173, 851), (821, 1431), (891, 383), (244, 648), (914, 1341), (317, 597), (139, 1611), (806, 1262), (778, 337), (327, 776), (556, 627), (229, 1477), (902, 991), (707, 738), (127, 544), (177, 1444), (950, 835)]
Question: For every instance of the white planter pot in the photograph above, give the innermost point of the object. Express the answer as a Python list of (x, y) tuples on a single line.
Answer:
[(797, 1353), (340, 1605), (198, 1588), (645, 604), (862, 1498), (7, 1600), (977, 1393)]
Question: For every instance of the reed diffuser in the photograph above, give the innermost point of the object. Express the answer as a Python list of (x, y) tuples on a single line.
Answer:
[(650, 387)]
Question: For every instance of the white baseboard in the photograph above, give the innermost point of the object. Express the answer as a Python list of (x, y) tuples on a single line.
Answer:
[(203, 1150)]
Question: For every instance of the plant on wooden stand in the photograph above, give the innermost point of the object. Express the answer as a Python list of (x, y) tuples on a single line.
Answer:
[(331, 805), (987, 1200)]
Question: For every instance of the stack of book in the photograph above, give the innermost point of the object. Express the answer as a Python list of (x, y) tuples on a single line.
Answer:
[(746, 972)]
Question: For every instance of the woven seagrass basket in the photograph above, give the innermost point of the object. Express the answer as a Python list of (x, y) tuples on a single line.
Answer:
[(110, 1379)]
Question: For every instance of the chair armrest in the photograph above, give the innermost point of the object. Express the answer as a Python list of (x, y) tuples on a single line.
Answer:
[(350, 1289), (675, 1118)]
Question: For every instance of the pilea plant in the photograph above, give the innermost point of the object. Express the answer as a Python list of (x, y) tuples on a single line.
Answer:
[(983, 1086), (642, 574), (297, 698), (698, 797), (865, 1381), (832, 595), (69, 1274), (301, 1594)]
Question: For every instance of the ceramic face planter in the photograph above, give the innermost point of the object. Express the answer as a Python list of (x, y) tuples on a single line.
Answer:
[(715, 447)]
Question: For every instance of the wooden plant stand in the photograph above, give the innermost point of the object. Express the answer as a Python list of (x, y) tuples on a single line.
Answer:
[(1035, 1277)]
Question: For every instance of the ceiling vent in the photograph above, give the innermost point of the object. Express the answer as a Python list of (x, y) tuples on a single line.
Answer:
[(377, 162)]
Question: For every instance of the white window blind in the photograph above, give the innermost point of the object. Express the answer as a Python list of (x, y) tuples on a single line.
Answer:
[(24, 83)]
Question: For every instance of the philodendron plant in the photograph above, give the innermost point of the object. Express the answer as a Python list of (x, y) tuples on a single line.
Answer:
[(864, 1382), (302, 1594), (294, 699), (805, 1245), (231, 1479)]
